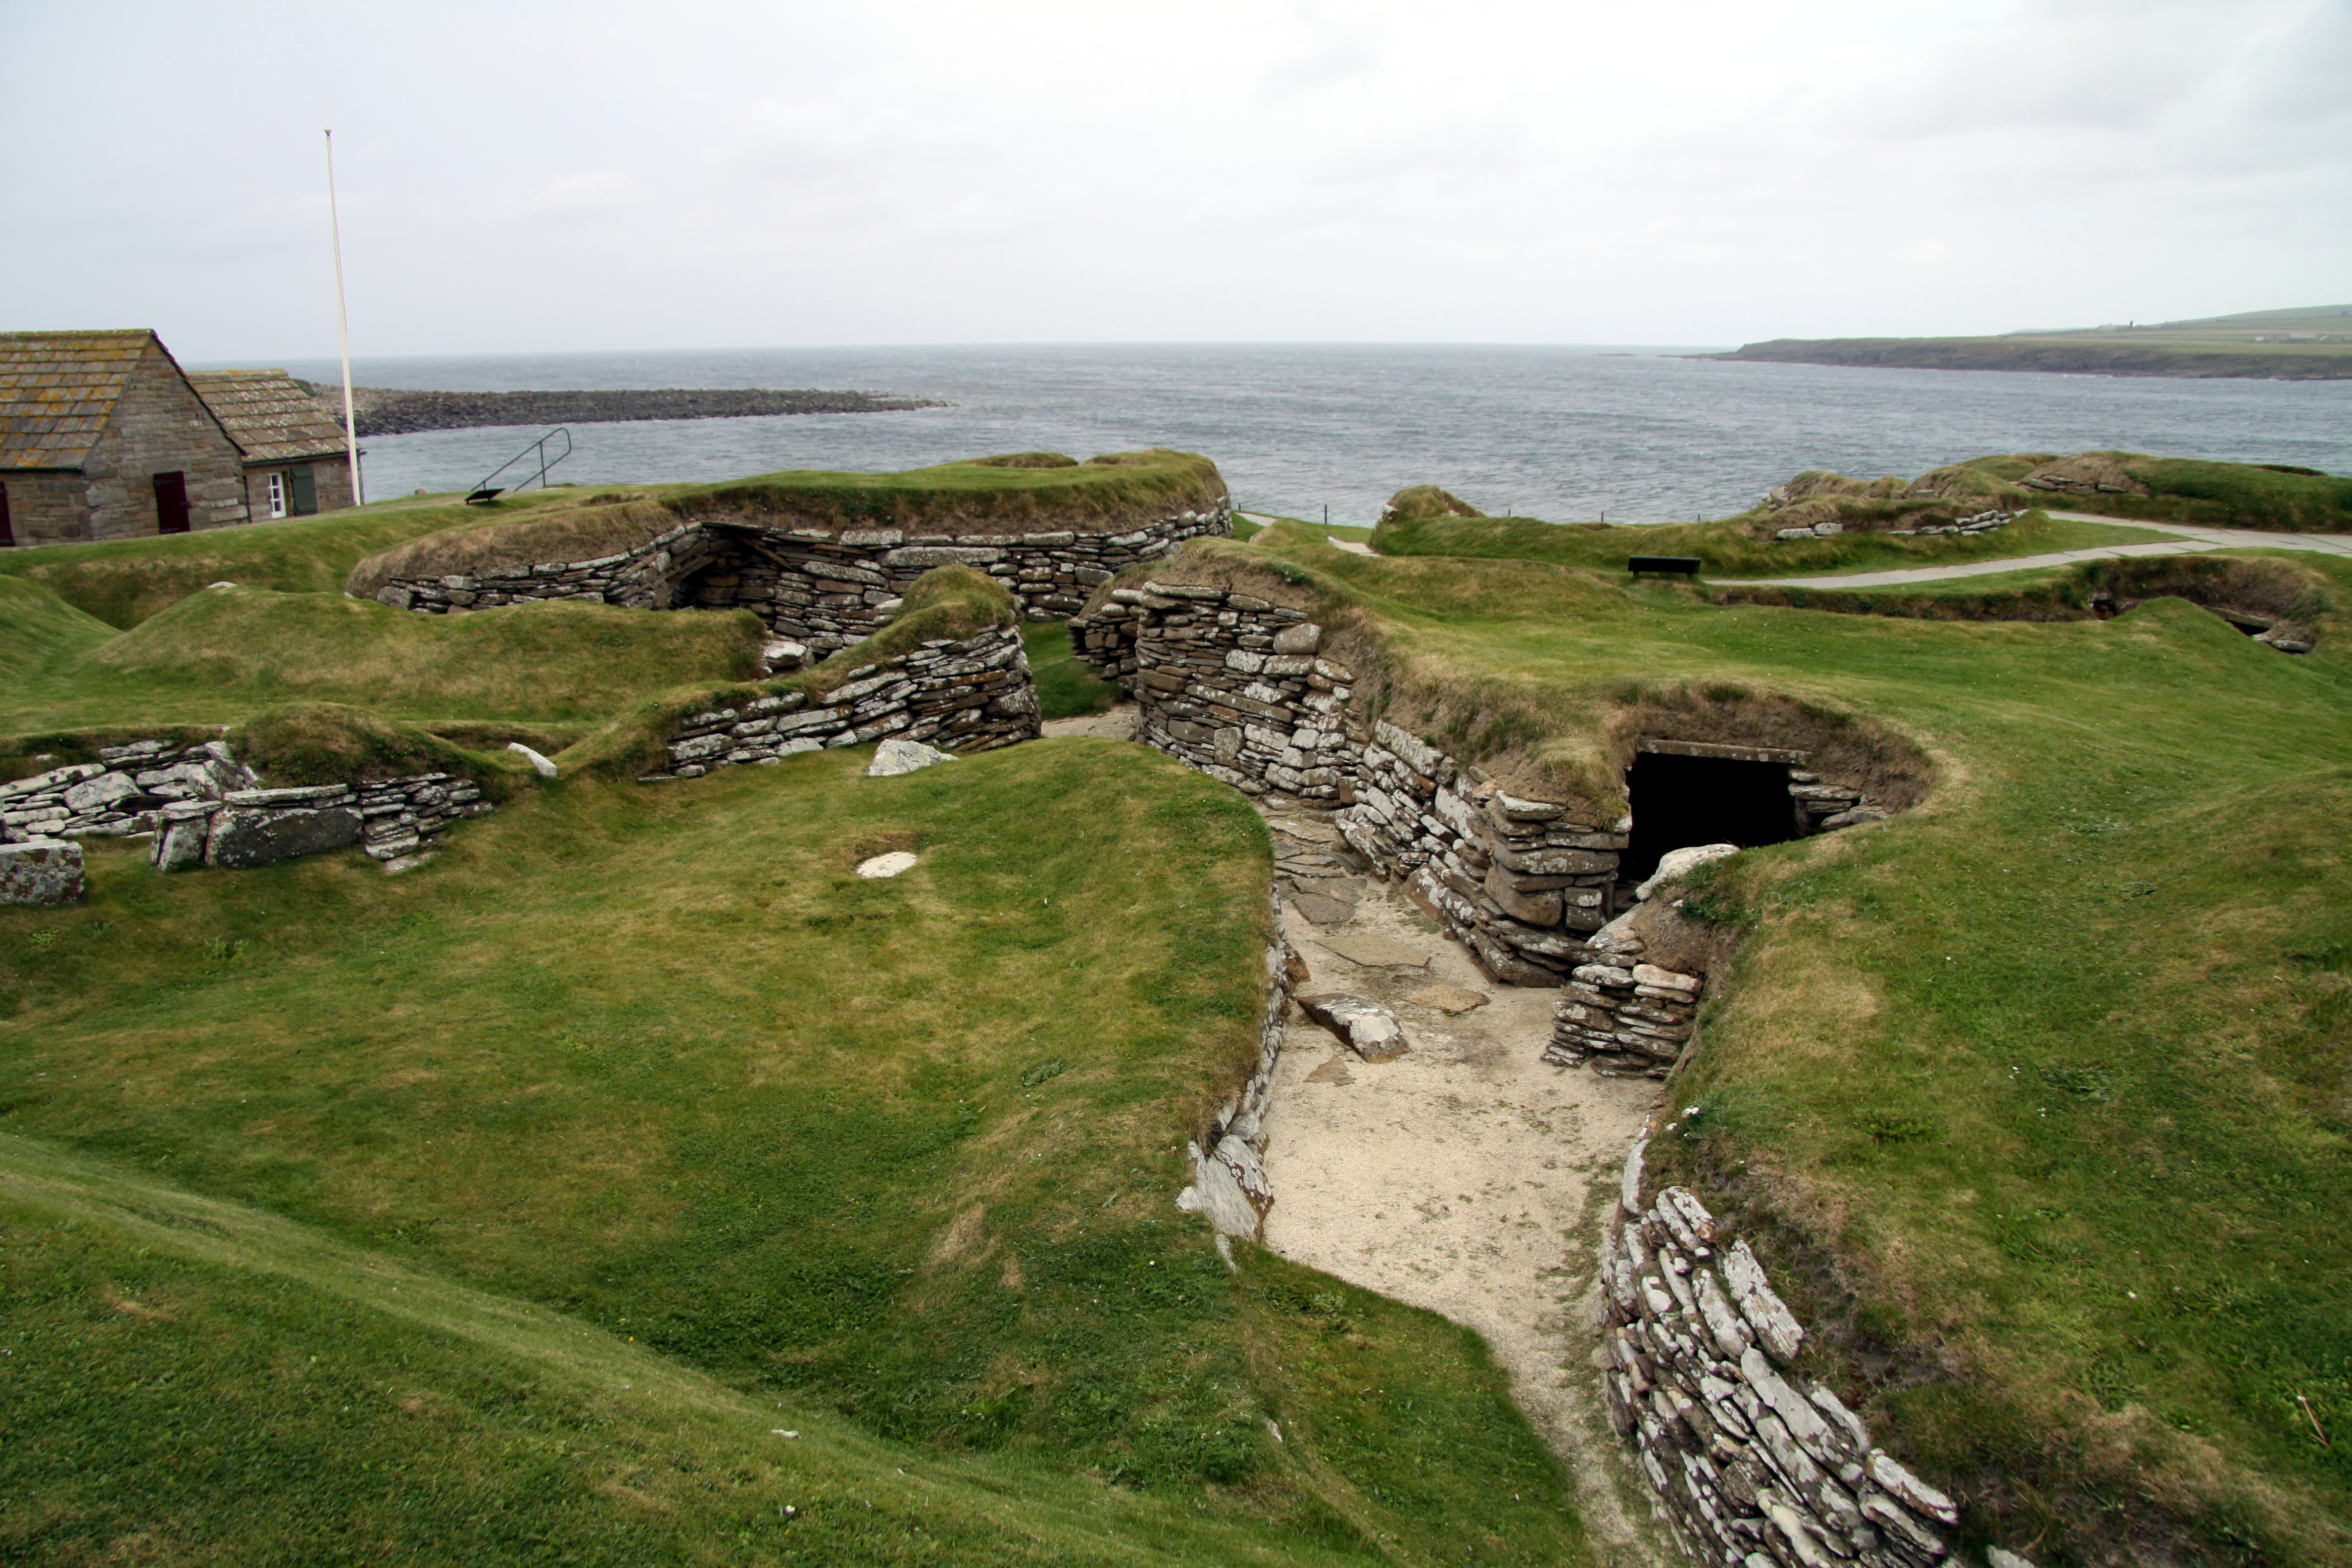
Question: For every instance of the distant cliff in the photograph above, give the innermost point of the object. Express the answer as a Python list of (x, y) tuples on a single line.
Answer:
[(2066, 355)]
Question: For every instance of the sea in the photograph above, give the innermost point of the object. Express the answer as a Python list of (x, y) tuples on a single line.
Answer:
[(1619, 434)]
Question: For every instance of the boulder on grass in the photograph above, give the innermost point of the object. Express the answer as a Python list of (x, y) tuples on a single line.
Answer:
[(40, 871), (892, 758)]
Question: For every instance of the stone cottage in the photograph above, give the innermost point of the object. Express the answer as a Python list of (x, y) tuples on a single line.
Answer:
[(102, 438), (296, 461)]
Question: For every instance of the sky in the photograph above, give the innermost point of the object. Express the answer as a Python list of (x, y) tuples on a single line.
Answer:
[(526, 177)]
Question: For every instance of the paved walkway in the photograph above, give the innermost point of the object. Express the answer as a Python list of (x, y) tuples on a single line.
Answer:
[(2189, 540)]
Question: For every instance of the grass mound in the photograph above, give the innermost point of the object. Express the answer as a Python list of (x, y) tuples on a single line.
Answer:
[(950, 603), (123, 582), (36, 627), (2293, 593), (1018, 494), (1420, 503), (328, 742), (895, 1154), (218, 655), (2275, 496)]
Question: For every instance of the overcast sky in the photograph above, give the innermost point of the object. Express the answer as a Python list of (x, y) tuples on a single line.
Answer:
[(587, 175)]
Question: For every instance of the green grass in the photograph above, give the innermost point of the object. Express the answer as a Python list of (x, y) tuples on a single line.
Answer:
[(122, 582), (1065, 687), (2037, 1093), (1729, 551), (2226, 495), (899, 1155), (216, 656)]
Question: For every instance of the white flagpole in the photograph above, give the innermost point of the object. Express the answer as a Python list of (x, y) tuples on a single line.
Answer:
[(343, 329)]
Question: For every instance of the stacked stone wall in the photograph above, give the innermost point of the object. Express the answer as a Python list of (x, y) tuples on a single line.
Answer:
[(1240, 687), (971, 695), (202, 808), (1228, 1158), (1754, 1464), (814, 586)]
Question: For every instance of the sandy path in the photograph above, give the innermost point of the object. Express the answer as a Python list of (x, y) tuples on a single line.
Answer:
[(1466, 1177)]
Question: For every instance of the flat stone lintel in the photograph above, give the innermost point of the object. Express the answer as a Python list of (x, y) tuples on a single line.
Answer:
[(1724, 754)]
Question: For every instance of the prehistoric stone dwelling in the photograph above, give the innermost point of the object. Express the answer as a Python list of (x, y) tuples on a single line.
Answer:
[(102, 437), (296, 461)]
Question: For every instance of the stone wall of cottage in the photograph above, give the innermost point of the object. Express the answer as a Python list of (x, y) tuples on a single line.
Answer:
[(1239, 687), (47, 508), (971, 695), (159, 426), (823, 589)]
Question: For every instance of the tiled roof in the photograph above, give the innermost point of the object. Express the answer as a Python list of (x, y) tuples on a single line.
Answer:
[(267, 413), (58, 390)]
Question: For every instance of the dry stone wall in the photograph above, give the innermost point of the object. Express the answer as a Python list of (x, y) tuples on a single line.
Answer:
[(1228, 1159), (971, 695), (1239, 687), (1753, 1464), (205, 808), (823, 589)]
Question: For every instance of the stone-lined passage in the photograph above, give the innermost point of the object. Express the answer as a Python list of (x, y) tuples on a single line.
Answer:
[(971, 695)]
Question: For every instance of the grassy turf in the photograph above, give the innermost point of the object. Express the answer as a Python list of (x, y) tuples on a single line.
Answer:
[(216, 656), (2038, 1092), (903, 1151), (1727, 549), (1066, 688), (122, 582)]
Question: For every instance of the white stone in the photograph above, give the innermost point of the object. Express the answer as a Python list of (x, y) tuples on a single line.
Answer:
[(1676, 864), (888, 865), (40, 871), (539, 764), (892, 758), (1775, 1325), (1910, 1490)]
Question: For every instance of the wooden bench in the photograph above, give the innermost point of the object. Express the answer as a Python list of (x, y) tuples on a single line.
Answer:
[(1688, 565)]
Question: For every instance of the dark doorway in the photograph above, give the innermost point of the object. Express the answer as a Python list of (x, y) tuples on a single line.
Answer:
[(7, 534), (306, 490), (172, 503), (1682, 801)]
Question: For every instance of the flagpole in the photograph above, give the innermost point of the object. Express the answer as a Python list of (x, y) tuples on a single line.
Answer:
[(343, 329)]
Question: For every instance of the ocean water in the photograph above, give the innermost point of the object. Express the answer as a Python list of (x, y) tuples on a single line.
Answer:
[(1630, 435)]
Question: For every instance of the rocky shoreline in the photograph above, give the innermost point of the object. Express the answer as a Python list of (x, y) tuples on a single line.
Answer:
[(2084, 358), (395, 411)]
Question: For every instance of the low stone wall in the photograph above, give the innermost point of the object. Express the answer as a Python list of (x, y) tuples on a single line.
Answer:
[(1239, 687), (1228, 1159), (1628, 1018), (969, 696), (1753, 1464), (397, 821), (204, 808), (823, 589), (122, 794)]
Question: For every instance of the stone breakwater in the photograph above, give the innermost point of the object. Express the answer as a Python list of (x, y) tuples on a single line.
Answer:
[(122, 794), (971, 695), (1228, 1159), (1983, 522), (1753, 1464), (398, 821), (818, 587), (1240, 687)]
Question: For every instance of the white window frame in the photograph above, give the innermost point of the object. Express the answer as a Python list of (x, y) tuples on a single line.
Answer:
[(279, 496)]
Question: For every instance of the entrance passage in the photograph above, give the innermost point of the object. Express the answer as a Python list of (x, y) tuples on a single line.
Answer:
[(1679, 802)]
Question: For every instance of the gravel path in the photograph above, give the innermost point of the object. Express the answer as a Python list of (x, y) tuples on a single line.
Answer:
[(1466, 1176), (2191, 540)]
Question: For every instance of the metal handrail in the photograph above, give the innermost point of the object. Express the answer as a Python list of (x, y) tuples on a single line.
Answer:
[(485, 492)]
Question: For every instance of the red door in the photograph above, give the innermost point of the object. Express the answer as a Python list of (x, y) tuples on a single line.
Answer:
[(172, 503)]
